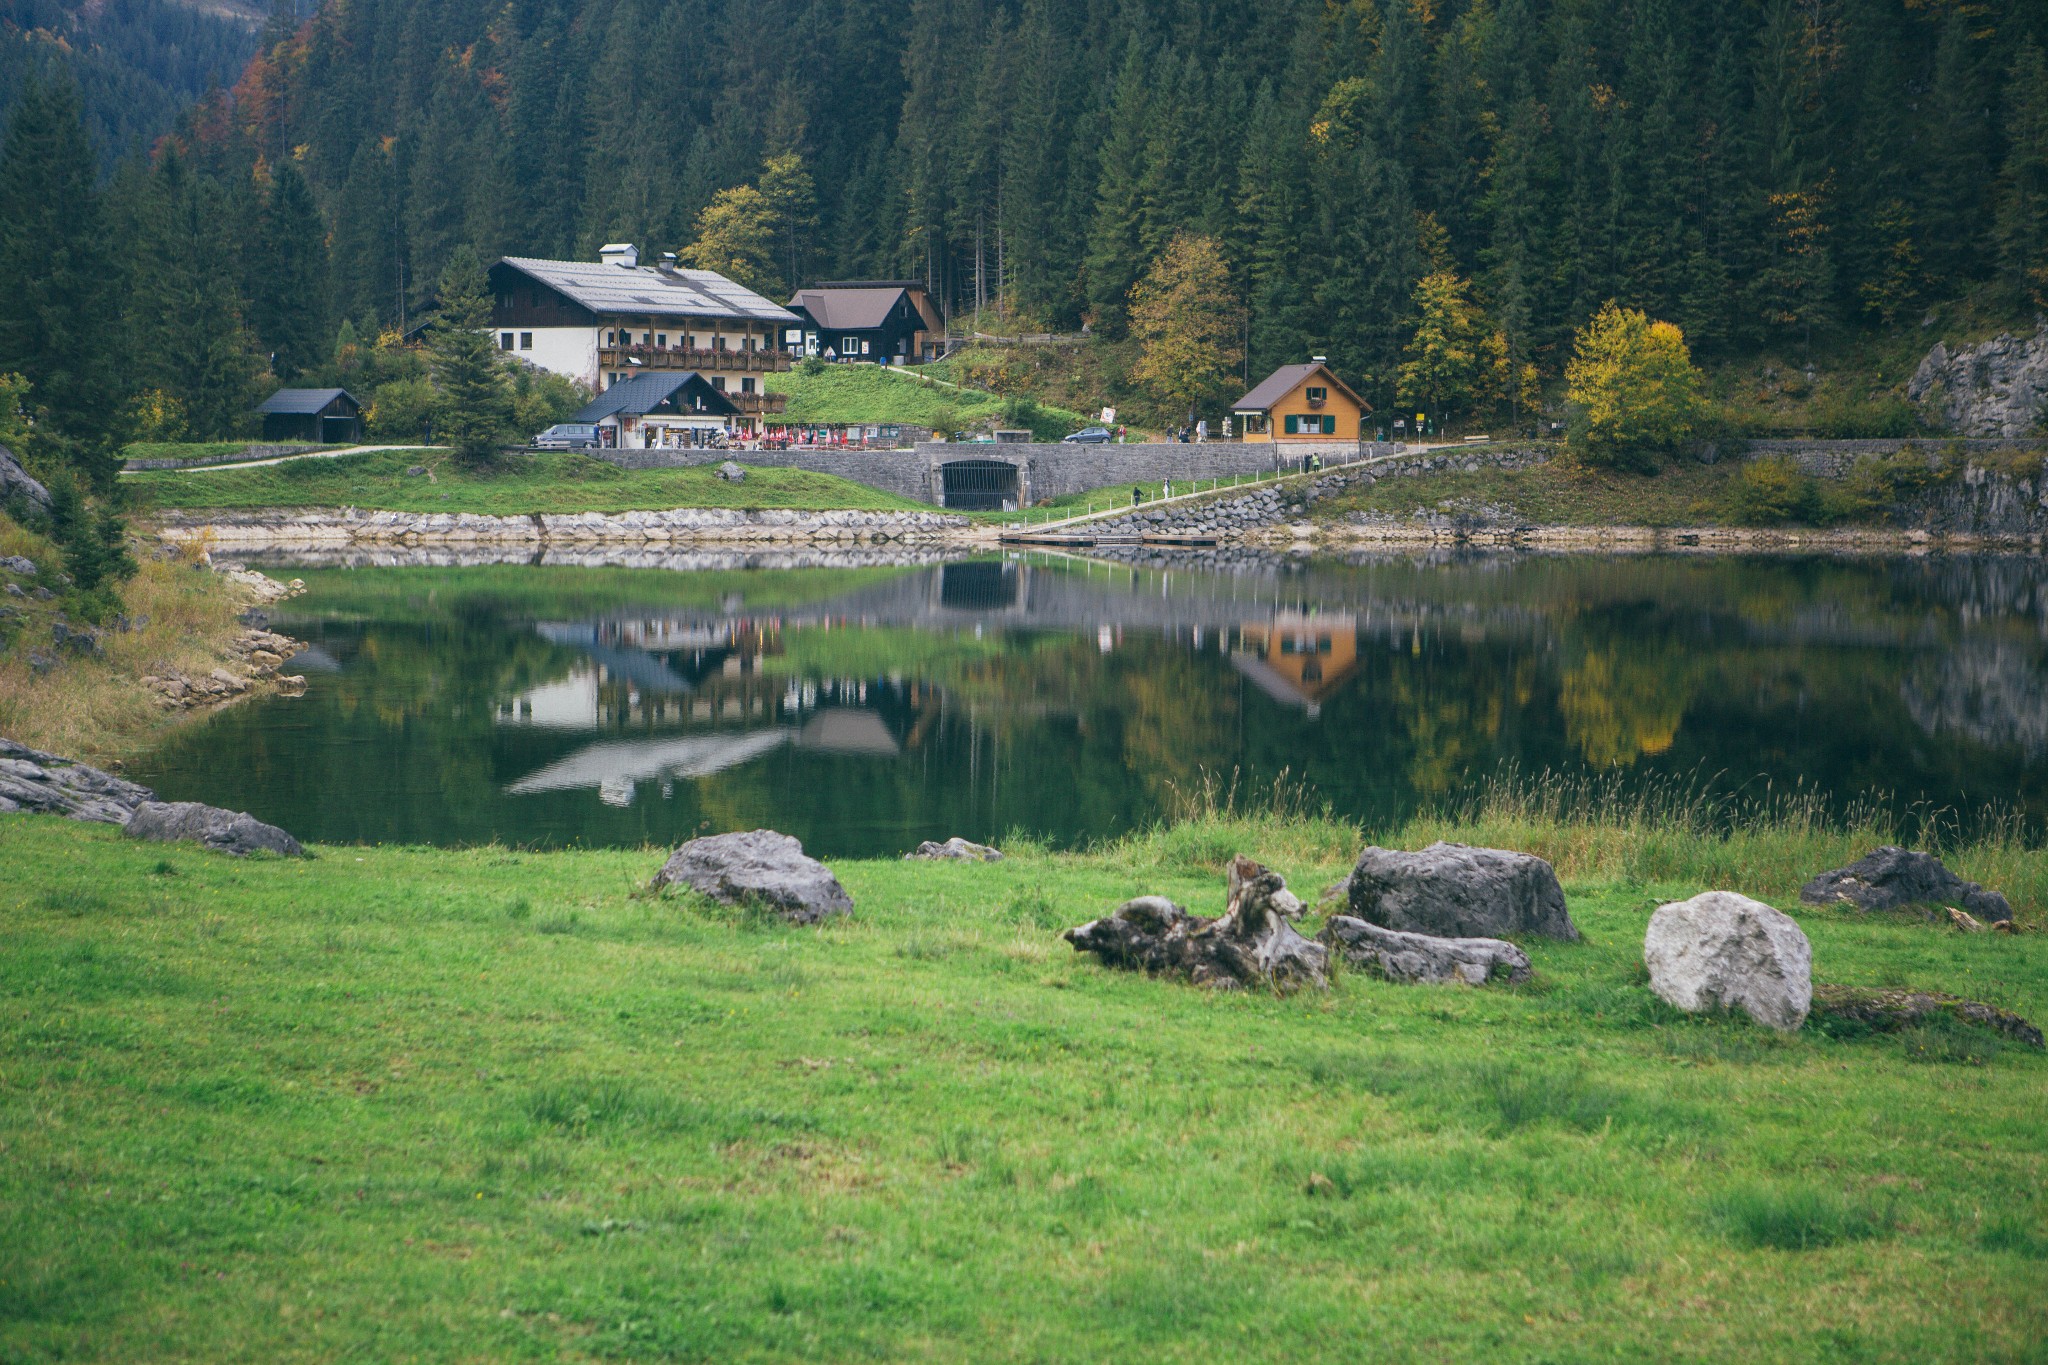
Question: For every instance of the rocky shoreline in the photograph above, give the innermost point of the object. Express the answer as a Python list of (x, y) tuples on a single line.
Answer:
[(334, 528)]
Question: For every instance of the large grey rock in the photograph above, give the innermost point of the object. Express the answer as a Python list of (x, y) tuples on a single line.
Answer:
[(760, 865), (1890, 877), (31, 780), (224, 831), (954, 849), (1424, 957), (1996, 388), (20, 564), (1457, 891), (1251, 943), (1720, 950), (732, 473), (15, 480)]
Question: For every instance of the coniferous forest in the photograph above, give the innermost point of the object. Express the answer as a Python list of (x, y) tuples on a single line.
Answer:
[(1759, 172)]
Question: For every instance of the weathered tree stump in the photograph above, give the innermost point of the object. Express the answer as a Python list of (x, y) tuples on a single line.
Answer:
[(1252, 943)]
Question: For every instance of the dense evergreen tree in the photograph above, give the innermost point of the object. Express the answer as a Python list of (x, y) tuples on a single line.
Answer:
[(473, 394), (288, 277)]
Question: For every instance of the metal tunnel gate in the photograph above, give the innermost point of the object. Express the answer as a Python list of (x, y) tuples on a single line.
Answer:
[(979, 485)]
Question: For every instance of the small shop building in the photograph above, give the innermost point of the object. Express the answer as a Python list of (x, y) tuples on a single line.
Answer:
[(886, 322), (1301, 403), (321, 416), (662, 410)]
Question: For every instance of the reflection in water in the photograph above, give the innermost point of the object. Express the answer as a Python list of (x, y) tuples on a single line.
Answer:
[(863, 707)]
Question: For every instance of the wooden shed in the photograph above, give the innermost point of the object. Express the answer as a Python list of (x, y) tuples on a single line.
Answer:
[(323, 416)]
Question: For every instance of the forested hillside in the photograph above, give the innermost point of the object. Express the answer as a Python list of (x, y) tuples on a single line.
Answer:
[(1446, 183), (139, 63)]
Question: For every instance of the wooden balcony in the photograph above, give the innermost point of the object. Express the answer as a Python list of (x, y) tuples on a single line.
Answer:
[(695, 358), (759, 404)]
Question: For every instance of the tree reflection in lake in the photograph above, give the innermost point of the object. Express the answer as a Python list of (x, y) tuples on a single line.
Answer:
[(864, 708)]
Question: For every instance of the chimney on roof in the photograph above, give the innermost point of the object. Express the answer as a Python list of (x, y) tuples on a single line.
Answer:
[(1319, 360), (619, 253), (668, 262)]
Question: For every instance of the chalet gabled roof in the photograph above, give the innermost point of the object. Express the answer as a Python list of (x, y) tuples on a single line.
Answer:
[(643, 393), (645, 290), (848, 308), (303, 400), (1286, 380)]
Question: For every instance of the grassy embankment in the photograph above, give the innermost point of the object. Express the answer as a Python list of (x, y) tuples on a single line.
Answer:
[(911, 397), (210, 450), (91, 706), (412, 1104), (518, 486)]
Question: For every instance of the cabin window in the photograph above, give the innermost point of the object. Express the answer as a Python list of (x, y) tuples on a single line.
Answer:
[(1318, 394), (526, 341), (504, 341)]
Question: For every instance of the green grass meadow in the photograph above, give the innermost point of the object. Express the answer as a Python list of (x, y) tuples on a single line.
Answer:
[(518, 485), (413, 1105)]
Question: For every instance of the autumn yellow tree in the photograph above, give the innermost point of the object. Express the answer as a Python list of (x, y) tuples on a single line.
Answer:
[(1188, 324), (1633, 389), (1456, 361), (736, 237)]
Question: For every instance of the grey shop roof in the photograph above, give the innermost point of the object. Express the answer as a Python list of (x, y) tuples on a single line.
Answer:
[(302, 400), (645, 290)]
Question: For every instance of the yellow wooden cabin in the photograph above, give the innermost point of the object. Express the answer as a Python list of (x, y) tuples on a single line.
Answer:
[(1301, 403)]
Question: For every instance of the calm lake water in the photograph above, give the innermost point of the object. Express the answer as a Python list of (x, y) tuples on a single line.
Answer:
[(863, 705)]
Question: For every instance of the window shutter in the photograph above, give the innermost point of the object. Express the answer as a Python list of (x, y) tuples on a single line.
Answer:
[(1329, 424), (1292, 422)]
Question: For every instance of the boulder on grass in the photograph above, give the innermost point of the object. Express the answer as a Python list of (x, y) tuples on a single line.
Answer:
[(956, 850), (224, 831), (1890, 877), (1456, 891), (1424, 957), (762, 866), (732, 473), (1720, 950), (1251, 944), (32, 780), (1887, 1010)]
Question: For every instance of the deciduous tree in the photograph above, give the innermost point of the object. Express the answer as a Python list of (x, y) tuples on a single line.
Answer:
[(1187, 321), (1456, 361), (1632, 387)]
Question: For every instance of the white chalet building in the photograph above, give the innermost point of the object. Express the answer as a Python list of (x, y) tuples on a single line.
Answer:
[(600, 322)]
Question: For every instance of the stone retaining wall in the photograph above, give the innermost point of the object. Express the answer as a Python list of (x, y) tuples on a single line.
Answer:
[(254, 452), (314, 527)]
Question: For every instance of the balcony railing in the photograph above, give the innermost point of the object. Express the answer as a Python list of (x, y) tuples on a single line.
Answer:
[(759, 404), (695, 358)]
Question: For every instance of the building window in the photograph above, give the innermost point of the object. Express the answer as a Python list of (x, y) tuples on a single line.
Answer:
[(718, 343), (718, 382), (794, 336), (608, 338), (661, 340), (1318, 394), (526, 341), (504, 341), (746, 385)]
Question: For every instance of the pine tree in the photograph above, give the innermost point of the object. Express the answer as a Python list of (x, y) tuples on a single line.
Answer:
[(288, 282), (472, 398), (1956, 163), (59, 279), (2022, 224), (1117, 227)]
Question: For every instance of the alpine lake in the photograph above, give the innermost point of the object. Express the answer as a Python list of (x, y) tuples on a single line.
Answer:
[(864, 703)]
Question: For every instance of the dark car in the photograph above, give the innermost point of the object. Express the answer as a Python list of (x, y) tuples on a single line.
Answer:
[(567, 436), (1089, 436)]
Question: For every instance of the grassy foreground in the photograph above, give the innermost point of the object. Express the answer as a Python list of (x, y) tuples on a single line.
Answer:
[(518, 486), (408, 1105)]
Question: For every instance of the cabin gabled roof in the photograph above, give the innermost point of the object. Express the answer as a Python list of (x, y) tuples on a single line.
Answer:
[(849, 308), (650, 291), (299, 401), (643, 393), (1286, 380)]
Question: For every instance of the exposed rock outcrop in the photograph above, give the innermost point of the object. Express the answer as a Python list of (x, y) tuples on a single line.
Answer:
[(1996, 388), (1892, 878), (1887, 1010), (761, 866), (1251, 943), (1720, 950), (224, 831), (954, 849), (31, 780), (1456, 891), (1424, 957), (15, 482)]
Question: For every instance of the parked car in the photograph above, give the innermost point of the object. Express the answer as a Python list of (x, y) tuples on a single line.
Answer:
[(1088, 436), (567, 436)]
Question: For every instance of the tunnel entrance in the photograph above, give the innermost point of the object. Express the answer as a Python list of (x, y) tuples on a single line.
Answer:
[(979, 485)]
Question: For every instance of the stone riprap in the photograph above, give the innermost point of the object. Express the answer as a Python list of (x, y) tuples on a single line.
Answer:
[(1996, 388), (233, 832), (31, 780), (318, 527), (1893, 878), (761, 866), (1457, 891), (955, 850), (1424, 957), (1721, 950)]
